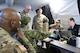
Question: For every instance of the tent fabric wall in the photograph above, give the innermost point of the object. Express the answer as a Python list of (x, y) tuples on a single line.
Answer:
[(64, 6), (64, 9)]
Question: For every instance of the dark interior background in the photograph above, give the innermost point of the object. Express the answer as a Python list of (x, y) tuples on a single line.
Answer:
[(78, 5)]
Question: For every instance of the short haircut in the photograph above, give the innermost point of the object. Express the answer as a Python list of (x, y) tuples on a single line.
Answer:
[(38, 9), (58, 20), (72, 19)]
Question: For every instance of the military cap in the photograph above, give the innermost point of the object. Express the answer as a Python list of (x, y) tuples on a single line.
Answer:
[(25, 20)]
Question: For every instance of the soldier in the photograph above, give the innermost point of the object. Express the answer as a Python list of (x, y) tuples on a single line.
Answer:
[(32, 35), (56, 28), (38, 21), (57, 25), (26, 12), (24, 25), (9, 22)]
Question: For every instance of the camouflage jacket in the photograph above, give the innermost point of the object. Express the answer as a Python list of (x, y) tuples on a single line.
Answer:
[(8, 44), (24, 14), (38, 22), (33, 35), (55, 27), (28, 45)]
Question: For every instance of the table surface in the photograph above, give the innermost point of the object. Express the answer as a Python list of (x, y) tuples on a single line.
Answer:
[(65, 46)]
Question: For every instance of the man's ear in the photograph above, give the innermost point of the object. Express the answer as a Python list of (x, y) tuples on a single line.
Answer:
[(13, 23)]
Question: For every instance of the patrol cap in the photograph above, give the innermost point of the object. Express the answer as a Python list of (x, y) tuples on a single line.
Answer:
[(25, 20), (58, 20)]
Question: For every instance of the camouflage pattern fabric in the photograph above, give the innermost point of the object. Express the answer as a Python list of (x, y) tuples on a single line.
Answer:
[(28, 45), (55, 27), (8, 44), (23, 13), (25, 19), (33, 35), (36, 34), (38, 22)]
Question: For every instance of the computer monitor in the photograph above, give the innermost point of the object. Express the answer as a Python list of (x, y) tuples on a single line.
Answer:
[(65, 34), (79, 31)]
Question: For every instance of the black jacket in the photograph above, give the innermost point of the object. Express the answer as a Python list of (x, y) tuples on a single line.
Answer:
[(74, 30)]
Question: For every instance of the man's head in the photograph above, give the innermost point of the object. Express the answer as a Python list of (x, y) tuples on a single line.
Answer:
[(71, 21), (27, 8), (39, 11), (58, 22), (10, 19)]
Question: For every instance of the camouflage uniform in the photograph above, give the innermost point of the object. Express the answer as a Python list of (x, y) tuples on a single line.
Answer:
[(38, 22), (55, 27), (34, 35), (8, 44), (25, 19), (28, 45), (24, 14)]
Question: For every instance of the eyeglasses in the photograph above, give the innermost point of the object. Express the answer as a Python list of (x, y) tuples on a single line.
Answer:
[(57, 22), (28, 9)]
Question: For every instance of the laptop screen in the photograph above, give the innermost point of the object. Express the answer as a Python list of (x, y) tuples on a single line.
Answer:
[(65, 34)]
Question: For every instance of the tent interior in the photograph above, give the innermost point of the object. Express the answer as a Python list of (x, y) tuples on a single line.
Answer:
[(62, 9)]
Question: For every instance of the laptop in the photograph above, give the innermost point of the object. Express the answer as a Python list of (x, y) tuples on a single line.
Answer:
[(65, 34)]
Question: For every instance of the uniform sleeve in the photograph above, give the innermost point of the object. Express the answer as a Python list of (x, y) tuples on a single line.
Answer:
[(46, 19), (52, 26), (29, 46), (36, 34), (10, 45), (61, 27)]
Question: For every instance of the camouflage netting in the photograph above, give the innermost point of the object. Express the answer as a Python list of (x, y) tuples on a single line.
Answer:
[(25, 20)]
